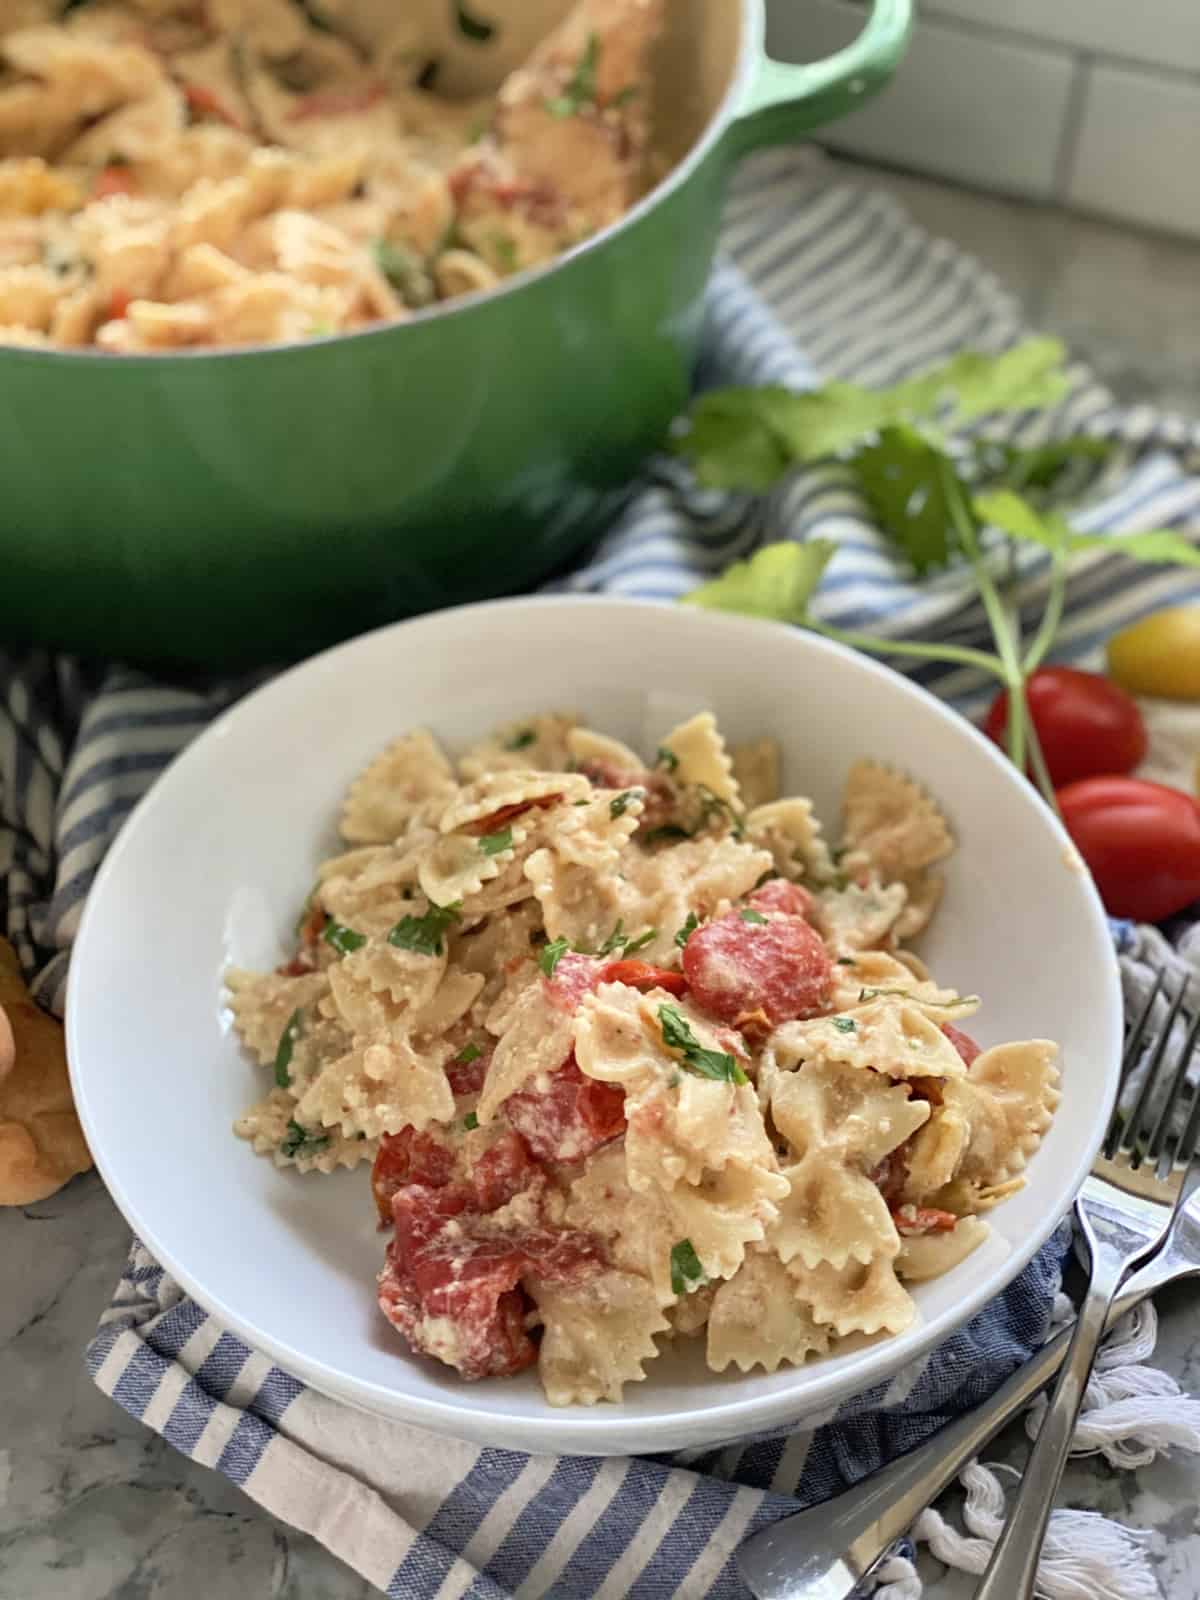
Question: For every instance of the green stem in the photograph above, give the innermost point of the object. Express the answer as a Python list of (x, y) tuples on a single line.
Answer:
[(997, 615), (1041, 772), (1055, 598), (959, 655)]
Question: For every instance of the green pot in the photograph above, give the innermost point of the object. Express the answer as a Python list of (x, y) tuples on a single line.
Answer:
[(224, 508)]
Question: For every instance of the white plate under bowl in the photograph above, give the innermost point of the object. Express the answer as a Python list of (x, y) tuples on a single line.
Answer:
[(214, 864)]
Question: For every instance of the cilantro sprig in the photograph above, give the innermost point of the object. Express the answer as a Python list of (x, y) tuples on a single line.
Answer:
[(678, 1036), (941, 495), (298, 1140), (287, 1045), (344, 940), (495, 844), (552, 954)]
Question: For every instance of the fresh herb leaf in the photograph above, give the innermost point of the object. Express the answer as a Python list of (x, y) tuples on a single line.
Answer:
[(844, 1024), (468, 1053), (750, 915), (344, 940), (668, 830), (470, 1121), (581, 89), (715, 807), (504, 248), (677, 1035), (615, 941), (686, 1271), (522, 740), (424, 934), (1003, 509), (287, 1044), (301, 1141), (472, 27), (632, 946), (666, 758), (494, 844), (685, 933), (1042, 466), (902, 479), (749, 438), (623, 97), (846, 961), (552, 954), (403, 271), (777, 582), (619, 804)]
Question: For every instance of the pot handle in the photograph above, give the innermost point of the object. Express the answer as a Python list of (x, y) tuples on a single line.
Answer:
[(786, 99)]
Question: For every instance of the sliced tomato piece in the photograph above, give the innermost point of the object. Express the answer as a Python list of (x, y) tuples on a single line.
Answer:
[(571, 1118), (962, 1042), (408, 1157), (911, 1221), (644, 976), (737, 969)]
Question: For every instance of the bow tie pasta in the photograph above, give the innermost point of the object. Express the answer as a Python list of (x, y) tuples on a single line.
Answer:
[(633, 1059)]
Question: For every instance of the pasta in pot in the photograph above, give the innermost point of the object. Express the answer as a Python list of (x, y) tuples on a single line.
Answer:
[(228, 172), (634, 1060)]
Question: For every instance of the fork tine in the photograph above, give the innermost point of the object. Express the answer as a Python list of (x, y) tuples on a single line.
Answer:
[(1158, 1149), (1133, 1045), (1189, 1140), (1129, 1133)]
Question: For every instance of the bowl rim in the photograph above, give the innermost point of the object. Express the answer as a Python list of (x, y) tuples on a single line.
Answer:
[(599, 1430), (750, 52)]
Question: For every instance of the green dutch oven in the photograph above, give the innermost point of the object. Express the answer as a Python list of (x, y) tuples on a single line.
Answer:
[(231, 507)]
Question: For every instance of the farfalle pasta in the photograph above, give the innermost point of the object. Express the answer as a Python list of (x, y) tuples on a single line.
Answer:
[(633, 1058), (180, 173)]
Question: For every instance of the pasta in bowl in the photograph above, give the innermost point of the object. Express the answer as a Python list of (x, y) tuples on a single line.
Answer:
[(646, 1168), (636, 1055)]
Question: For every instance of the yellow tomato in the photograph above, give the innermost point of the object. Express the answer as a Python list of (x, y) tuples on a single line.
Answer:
[(1160, 655)]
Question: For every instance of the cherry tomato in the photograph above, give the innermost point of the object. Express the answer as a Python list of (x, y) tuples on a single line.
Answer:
[(1141, 841), (1160, 655), (1087, 725), (641, 975), (112, 180)]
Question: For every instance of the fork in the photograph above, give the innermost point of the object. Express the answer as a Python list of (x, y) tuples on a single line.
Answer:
[(825, 1552)]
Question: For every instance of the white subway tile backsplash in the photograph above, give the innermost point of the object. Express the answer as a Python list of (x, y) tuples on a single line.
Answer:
[(963, 106), (1138, 150), (1166, 32)]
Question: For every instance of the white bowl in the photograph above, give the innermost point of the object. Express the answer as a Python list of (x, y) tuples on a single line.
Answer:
[(213, 865)]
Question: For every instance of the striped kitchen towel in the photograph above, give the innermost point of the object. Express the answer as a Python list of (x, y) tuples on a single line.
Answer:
[(819, 278)]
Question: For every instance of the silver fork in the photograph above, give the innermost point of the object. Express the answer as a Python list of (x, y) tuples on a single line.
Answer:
[(825, 1552)]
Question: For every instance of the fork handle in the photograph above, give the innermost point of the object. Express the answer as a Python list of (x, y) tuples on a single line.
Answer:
[(1012, 1571)]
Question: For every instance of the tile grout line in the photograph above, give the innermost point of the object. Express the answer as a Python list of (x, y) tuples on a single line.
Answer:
[(1067, 155), (1039, 44)]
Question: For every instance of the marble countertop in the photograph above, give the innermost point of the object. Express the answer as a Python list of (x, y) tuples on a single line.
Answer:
[(93, 1506)]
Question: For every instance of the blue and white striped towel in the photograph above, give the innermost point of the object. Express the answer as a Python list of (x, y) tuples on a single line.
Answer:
[(843, 276)]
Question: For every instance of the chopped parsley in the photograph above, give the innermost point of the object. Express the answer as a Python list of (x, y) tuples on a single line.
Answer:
[(494, 844), (619, 804), (344, 940), (287, 1044), (686, 1272), (472, 27), (581, 87), (504, 248), (714, 806), (619, 940), (844, 1024), (301, 1141), (623, 96), (552, 954), (669, 830), (688, 929), (470, 1121), (677, 1035), (750, 915), (846, 961), (870, 994), (403, 271), (424, 934), (667, 758), (522, 740), (468, 1053)]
